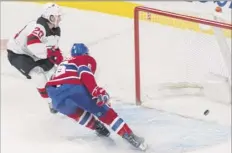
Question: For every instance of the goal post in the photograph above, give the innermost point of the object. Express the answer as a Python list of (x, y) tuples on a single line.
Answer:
[(147, 26)]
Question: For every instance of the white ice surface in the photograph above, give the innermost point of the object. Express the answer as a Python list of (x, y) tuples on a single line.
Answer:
[(27, 126)]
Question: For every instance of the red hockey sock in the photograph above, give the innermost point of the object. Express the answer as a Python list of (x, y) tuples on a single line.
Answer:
[(84, 118), (116, 123), (125, 129), (43, 93)]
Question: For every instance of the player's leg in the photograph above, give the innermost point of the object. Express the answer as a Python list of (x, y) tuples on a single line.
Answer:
[(65, 104), (88, 120), (108, 116), (33, 70), (23, 63), (41, 76), (39, 79), (105, 113)]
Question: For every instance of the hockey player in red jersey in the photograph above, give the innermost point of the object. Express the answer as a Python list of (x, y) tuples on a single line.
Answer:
[(34, 50), (75, 93)]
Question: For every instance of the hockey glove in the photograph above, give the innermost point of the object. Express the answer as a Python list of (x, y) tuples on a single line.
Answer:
[(101, 95), (55, 55)]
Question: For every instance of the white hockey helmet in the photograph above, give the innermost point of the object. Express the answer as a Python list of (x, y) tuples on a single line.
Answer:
[(52, 12)]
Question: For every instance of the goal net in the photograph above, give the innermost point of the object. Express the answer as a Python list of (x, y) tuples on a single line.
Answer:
[(178, 54)]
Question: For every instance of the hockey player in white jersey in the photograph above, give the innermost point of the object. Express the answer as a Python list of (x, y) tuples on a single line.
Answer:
[(34, 50)]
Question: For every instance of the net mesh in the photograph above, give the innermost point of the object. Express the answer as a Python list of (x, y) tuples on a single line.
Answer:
[(178, 54)]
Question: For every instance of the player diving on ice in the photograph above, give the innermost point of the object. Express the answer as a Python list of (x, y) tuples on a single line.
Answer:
[(75, 93), (34, 50)]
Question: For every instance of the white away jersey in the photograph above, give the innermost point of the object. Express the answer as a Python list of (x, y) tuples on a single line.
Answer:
[(34, 39)]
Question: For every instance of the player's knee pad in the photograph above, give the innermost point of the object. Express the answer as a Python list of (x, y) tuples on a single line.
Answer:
[(38, 77)]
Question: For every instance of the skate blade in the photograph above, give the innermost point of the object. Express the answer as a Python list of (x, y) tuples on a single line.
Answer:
[(143, 146)]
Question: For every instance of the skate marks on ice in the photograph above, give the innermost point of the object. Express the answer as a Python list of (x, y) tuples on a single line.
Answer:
[(93, 139), (103, 144), (164, 133), (168, 133)]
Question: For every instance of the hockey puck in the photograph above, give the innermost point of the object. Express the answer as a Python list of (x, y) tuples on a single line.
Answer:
[(206, 112)]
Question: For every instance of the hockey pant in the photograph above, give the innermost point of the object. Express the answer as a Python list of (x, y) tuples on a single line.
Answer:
[(37, 71), (76, 102)]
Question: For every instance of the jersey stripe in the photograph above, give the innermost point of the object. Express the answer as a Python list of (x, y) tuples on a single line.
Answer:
[(32, 39), (65, 78), (71, 66), (70, 72), (84, 69)]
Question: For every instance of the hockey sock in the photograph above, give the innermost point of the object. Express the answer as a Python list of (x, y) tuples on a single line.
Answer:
[(84, 118), (43, 93), (116, 123)]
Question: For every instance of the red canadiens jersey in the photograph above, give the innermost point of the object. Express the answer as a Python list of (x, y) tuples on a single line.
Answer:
[(77, 70)]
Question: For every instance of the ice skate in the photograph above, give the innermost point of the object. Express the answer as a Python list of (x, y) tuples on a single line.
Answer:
[(137, 142), (101, 130), (52, 110)]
